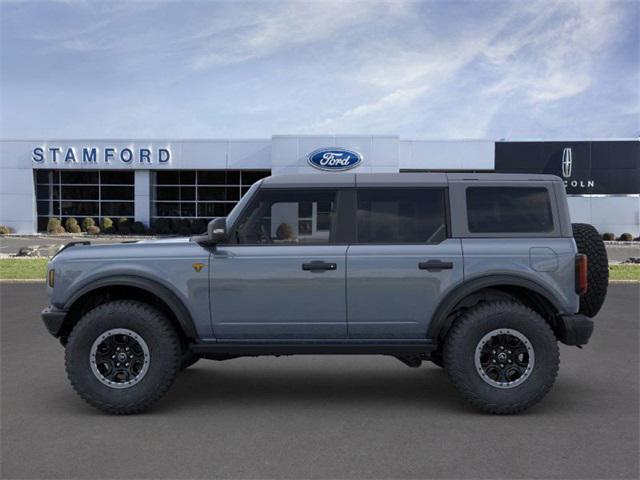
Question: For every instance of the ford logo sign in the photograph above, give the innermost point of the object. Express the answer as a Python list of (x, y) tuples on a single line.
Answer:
[(334, 159)]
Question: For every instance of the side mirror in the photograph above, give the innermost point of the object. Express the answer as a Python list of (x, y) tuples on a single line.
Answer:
[(217, 230)]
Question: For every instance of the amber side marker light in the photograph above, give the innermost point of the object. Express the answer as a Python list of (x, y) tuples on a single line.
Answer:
[(582, 281), (52, 277)]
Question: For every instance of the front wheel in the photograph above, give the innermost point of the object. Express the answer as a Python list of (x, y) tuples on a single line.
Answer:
[(502, 356), (122, 356)]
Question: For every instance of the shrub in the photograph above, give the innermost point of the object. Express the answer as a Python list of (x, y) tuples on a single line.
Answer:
[(52, 224), (124, 226), (138, 228), (106, 226), (626, 237), (198, 226), (57, 230), (162, 226), (181, 226), (88, 222), (608, 236), (93, 230), (5, 230), (71, 225)]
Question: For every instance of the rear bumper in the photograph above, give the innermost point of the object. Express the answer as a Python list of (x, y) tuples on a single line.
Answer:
[(574, 329), (53, 320)]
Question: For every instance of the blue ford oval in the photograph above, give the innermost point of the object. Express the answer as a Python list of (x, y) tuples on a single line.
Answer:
[(334, 159)]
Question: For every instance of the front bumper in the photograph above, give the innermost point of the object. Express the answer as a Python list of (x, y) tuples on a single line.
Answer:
[(574, 329), (53, 320)]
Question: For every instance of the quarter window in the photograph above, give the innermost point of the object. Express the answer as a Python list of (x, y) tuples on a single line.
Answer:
[(509, 210), (289, 217), (402, 215)]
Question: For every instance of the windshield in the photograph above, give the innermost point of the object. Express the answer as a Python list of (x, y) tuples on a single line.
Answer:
[(233, 214)]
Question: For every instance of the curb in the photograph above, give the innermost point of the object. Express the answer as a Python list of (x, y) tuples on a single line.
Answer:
[(22, 280)]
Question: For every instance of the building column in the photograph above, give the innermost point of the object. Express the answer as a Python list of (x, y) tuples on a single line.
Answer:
[(142, 206)]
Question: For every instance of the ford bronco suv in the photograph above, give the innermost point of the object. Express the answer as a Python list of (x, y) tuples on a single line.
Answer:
[(481, 274)]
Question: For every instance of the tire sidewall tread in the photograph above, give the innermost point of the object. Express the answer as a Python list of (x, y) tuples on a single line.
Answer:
[(459, 355), (156, 330)]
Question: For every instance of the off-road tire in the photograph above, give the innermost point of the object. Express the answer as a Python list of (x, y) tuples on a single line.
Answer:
[(164, 356), (459, 354), (436, 358), (188, 359), (589, 242)]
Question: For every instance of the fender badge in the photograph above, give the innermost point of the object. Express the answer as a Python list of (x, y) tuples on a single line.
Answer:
[(197, 266)]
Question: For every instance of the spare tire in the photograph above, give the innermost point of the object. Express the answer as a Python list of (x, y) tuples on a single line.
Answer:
[(589, 242)]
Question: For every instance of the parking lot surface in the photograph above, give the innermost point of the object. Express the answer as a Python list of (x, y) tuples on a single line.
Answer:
[(320, 417)]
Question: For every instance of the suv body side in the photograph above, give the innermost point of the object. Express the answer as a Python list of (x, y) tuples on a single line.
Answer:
[(378, 290)]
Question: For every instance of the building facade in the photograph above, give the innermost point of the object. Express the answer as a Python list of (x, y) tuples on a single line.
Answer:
[(145, 180)]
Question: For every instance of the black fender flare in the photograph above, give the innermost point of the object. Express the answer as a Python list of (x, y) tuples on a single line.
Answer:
[(182, 314), (440, 320)]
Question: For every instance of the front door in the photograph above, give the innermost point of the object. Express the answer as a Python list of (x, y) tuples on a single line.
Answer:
[(283, 274), (401, 263)]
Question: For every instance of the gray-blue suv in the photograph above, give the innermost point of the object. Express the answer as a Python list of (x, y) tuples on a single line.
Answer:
[(481, 274)]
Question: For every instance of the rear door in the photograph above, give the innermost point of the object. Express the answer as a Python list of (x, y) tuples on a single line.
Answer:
[(401, 262)]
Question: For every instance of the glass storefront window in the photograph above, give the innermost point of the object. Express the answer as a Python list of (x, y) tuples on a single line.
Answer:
[(201, 194), (92, 193)]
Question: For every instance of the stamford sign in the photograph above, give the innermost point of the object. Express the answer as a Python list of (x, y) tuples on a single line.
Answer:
[(95, 155), (334, 159)]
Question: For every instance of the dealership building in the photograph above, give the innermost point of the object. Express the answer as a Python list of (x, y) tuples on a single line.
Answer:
[(146, 180)]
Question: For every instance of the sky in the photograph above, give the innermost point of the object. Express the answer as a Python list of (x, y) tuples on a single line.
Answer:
[(420, 70)]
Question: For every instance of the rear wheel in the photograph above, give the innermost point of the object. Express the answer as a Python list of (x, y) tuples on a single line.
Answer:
[(589, 242), (122, 356), (502, 357)]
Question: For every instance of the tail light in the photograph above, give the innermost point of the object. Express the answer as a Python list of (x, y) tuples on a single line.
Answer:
[(582, 281)]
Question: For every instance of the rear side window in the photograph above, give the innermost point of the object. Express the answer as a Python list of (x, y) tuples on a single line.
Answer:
[(401, 215), (509, 210)]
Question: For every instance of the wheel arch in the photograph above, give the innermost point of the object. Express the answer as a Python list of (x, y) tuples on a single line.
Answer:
[(493, 287), (128, 287)]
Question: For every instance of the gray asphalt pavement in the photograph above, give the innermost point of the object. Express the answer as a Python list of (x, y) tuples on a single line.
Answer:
[(319, 417)]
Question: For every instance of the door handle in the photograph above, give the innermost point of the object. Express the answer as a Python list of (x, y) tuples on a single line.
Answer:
[(435, 265), (319, 266)]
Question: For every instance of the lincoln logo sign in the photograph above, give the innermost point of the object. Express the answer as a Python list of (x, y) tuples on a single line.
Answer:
[(94, 155), (334, 159), (567, 168), (567, 161)]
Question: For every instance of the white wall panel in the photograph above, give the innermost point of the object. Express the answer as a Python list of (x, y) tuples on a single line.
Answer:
[(447, 155), (249, 154), (615, 214)]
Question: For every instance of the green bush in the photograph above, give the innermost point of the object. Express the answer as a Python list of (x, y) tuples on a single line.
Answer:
[(138, 228), (4, 230), (88, 222), (57, 230), (124, 226), (608, 237), (106, 226), (181, 226), (626, 237), (52, 224), (198, 226), (162, 226), (93, 230), (71, 225)]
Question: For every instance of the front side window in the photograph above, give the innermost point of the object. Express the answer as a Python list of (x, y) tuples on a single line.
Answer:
[(289, 217), (401, 215), (509, 210)]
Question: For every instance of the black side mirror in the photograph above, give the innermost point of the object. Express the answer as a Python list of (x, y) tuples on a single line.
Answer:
[(217, 230)]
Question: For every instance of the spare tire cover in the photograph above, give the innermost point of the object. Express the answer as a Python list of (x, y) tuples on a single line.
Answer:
[(589, 242)]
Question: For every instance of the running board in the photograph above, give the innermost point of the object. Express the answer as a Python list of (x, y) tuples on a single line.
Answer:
[(250, 349)]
